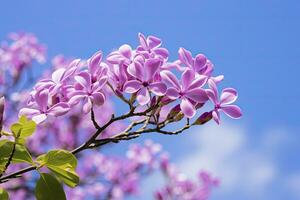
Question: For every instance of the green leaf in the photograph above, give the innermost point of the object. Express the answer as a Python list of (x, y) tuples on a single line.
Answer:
[(69, 177), (48, 188), (20, 155), (3, 194), (63, 164), (24, 128)]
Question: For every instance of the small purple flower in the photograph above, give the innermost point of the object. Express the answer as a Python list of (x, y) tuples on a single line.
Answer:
[(88, 91), (228, 96), (144, 80), (59, 77), (150, 47), (189, 91), (41, 110)]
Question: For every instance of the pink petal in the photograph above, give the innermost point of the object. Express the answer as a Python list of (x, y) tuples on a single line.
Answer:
[(211, 95), (200, 62), (76, 98), (84, 79), (198, 82), (172, 93), (125, 50), (143, 41), (228, 96), (41, 98), (94, 62), (161, 52), (99, 84), (72, 68), (143, 96), (115, 58), (136, 70), (170, 78), (187, 108), (58, 74), (187, 78), (213, 86), (87, 106), (132, 86), (158, 88), (153, 41), (28, 112), (185, 57), (198, 95), (98, 98), (39, 118), (232, 111), (151, 67), (216, 116), (59, 109)]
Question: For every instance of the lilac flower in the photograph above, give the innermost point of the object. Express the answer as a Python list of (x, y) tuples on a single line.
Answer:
[(228, 96), (59, 77), (200, 64), (87, 91), (41, 110), (144, 82), (150, 47), (124, 55), (189, 91), (96, 67)]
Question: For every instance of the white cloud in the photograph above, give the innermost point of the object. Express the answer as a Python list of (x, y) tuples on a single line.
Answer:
[(225, 151)]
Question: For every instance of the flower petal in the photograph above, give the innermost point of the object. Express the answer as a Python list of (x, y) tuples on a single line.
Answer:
[(185, 57), (153, 41), (59, 109), (198, 95), (228, 96), (125, 50), (41, 98), (28, 112), (216, 116), (187, 78), (143, 96), (170, 78), (58, 74), (136, 70), (94, 62), (132, 86), (151, 67), (187, 108), (39, 118), (87, 106), (200, 62), (98, 98), (76, 98), (213, 86), (84, 79), (158, 88), (172, 93), (232, 111), (198, 82), (143, 41), (211, 95)]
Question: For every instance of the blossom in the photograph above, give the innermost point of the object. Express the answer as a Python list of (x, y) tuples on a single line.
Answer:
[(150, 47), (228, 96), (144, 80), (41, 110), (188, 90), (59, 77), (87, 91)]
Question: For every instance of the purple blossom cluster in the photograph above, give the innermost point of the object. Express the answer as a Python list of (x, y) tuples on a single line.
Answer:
[(144, 72), (75, 88), (19, 54)]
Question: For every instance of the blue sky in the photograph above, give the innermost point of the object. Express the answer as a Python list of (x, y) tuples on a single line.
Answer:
[(255, 44)]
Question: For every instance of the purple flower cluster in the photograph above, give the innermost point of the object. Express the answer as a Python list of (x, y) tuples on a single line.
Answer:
[(180, 187), (144, 73), (20, 53)]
